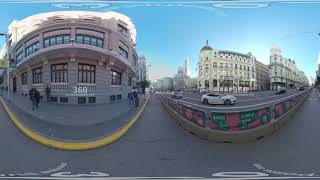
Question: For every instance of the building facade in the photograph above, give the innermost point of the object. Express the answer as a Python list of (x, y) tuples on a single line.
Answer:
[(262, 76), (167, 84), (179, 79), (220, 70), (284, 71), (141, 69), (74, 53)]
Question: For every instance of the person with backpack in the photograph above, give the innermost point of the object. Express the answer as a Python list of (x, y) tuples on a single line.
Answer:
[(136, 97)]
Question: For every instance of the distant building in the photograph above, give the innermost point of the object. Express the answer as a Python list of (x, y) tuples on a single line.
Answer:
[(284, 71), (160, 85), (186, 68), (221, 70), (262, 76), (179, 79), (141, 69), (167, 84), (318, 71)]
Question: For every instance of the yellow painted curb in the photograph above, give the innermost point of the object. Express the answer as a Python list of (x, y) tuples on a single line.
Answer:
[(72, 146)]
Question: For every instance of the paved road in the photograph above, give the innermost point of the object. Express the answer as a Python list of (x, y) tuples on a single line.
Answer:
[(248, 101), (157, 146)]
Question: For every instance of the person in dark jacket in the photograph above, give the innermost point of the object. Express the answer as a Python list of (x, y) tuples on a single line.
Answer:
[(37, 98), (48, 91), (136, 97), (32, 96)]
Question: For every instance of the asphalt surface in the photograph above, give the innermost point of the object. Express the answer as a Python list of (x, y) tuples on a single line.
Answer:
[(157, 146), (252, 100)]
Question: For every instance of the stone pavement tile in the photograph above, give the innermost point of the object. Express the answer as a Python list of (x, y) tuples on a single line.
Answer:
[(73, 114), (74, 133)]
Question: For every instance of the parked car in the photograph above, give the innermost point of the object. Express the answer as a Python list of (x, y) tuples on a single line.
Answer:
[(281, 91), (215, 98), (301, 88), (177, 95)]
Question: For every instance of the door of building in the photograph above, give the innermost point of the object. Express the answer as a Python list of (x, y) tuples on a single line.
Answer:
[(14, 84)]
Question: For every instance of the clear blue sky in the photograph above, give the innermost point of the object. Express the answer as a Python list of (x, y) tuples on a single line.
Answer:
[(166, 34)]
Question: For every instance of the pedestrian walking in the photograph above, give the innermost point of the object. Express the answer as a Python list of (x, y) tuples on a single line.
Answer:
[(37, 98), (136, 97), (32, 96), (48, 91)]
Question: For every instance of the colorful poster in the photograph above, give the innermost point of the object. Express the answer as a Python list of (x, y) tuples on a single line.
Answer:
[(240, 120), (196, 116)]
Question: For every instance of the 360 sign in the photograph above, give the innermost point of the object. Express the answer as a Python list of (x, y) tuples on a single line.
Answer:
[(80, 90)]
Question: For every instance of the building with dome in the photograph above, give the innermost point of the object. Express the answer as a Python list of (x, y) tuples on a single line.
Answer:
[(220, 70), (84, 57)]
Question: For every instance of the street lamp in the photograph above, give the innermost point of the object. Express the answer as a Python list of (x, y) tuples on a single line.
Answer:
[(8, 60)]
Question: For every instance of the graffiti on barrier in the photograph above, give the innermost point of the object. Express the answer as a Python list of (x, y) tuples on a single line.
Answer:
[(196, 116), (283, 107), (240, 120)]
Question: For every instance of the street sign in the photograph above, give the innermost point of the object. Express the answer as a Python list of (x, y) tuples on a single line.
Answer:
[(3, 63)]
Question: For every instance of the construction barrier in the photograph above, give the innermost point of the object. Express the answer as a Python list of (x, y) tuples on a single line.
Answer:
[(196, 116), (238, 121), (231, 126)]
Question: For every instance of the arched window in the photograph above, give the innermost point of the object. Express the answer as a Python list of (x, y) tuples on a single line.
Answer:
[(206, 84), (215, 83)]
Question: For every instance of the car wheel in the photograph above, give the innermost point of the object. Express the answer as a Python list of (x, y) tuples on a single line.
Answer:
[(205, 101), (227, 102)]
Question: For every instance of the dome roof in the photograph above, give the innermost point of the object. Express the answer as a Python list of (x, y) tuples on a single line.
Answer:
[(206, 47)]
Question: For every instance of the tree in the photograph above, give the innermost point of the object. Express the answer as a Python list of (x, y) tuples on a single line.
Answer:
[(1, 78), (144, 84)]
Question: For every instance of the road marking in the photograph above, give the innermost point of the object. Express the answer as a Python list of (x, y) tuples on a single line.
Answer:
[(102, 178), (240, 107), (123, 178)]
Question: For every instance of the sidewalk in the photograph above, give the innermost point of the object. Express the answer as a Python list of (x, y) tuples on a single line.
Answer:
[(72, 123)]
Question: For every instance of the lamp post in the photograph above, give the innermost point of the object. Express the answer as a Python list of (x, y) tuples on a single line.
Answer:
[(8, 61)]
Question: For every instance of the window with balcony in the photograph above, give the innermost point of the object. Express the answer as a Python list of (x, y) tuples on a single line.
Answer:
[(19, 57), (32, 48), (56, 40), (24, 78), (115, 77), (86, 73), (123, 30), (129, 81), (215, 64), (59, 73), (123, 52), (89, 40), (37, 75), (134, 60)]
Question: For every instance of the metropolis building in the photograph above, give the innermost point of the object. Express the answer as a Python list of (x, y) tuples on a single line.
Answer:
[(72, 50), (220, 70)]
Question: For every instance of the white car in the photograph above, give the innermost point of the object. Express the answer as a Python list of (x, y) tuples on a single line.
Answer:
[(214, 98)]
